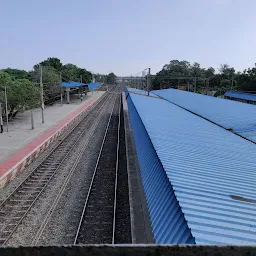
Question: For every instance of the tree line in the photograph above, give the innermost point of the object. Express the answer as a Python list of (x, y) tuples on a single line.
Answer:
[(23, 86), (225, 78)]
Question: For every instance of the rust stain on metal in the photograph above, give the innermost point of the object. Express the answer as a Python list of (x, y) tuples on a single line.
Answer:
[(243, 199)]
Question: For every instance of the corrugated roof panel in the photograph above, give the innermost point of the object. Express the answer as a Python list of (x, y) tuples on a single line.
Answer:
[(95, 85), (91, 86), (241, 95), (240, 117), (212, 171), (167, 219), (72, 84)]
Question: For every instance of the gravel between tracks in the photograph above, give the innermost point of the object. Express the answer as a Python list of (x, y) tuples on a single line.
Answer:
[(61, 229), (123, 219), (65, 219)]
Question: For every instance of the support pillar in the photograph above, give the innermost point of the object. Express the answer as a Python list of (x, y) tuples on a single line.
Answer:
[(68, 96), (149, 83)]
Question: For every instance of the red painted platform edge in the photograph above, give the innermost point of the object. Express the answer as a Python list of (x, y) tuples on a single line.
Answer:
[(12, 166)]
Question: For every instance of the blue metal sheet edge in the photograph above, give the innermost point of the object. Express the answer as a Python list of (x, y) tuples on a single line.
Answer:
[(95, 85), (241, 95), (167, 219)]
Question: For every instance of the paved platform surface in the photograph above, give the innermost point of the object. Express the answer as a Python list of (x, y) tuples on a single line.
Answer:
[(21, 140)]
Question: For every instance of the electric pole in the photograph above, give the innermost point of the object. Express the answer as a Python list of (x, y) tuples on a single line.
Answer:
[(6, 108), (41, 91), (195, 84), (32, 119), (148, 81), (1, 119), (61, 97)]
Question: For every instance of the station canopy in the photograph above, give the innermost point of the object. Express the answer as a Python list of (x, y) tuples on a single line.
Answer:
[(73, 84)]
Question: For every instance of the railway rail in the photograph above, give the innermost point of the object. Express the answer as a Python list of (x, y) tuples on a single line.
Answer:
[(81, 195), (17, 205), (98, 219)]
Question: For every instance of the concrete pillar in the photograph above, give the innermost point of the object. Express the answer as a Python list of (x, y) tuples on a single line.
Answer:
[(68, 97)]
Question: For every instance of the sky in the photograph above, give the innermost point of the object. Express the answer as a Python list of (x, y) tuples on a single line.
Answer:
[(127, 36)]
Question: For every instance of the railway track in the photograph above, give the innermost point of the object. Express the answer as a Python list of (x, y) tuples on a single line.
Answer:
[(17, 205), (79, 197), (98, 221)]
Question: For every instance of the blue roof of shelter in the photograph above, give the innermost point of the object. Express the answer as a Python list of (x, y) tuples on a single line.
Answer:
[(238, 116), (95, 85), (241, 95), (206, 166), (72, 84)]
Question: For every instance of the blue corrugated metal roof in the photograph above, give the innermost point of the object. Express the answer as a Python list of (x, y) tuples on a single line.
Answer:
[(205, 165), (72, 84), (93, 85), (241, 95), (239, 117), (168, 222)]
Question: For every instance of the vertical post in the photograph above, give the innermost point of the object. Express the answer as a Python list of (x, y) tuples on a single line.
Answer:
[(1, 119), (6, 108), (148, 81), (32, 120), (61, 96), (68, 98), (232, 82), (41, 92), (207, 86), (195, 84), (81, 79)]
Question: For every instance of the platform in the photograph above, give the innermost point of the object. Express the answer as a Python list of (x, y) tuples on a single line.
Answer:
[(21, 144)]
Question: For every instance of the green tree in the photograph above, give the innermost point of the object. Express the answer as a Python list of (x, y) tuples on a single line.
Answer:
[(226, 71), (70, 72), (168, 76), (85, 74), (51, 62), (177, 68), (100, 78), (111, 78), (246, 81), (22, 94), (17, 73), (5, 80), (195, 70), (209, 72)]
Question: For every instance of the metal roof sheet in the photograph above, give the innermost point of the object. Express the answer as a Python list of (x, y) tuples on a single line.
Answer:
[(167, 219), (208, 168), (238, 116), (241, 95), (72, 84), (95, 85), (91, 86)]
